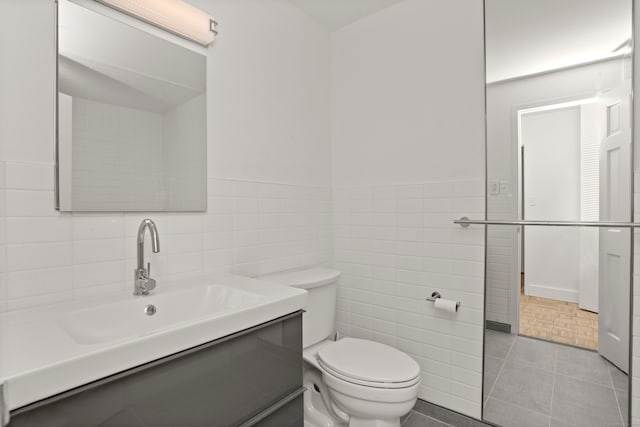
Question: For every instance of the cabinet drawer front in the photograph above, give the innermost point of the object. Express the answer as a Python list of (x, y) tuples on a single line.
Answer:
[(290, 415), (287, 412), (220, 384)]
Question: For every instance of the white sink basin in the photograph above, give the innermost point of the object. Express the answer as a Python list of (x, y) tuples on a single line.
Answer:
[(46, 351), (126, 319)]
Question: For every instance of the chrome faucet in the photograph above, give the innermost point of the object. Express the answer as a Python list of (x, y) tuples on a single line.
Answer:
[(143, 284)]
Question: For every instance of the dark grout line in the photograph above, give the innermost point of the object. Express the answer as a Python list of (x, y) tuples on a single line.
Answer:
[(524, 408), (414, 414), (554, 371), (587, 381), (408, 417)]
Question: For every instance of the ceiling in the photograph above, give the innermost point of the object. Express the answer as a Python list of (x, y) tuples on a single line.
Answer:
[(335, 14), (531, 36), (523, 36)]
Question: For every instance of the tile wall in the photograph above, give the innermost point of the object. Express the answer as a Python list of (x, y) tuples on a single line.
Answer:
[(502, 244), (396, 245), (250, 228), (132, 150)]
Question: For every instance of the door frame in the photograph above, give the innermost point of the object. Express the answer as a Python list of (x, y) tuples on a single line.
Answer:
[(516, 113)]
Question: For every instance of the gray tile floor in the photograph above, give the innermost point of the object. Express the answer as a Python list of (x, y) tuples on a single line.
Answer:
[(534, 383), (416, 419)]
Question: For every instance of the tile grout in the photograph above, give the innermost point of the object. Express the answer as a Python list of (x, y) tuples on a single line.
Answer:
[(553, 384), (408, 417), (517, 406), (556, 375), (554, 370), (615, 394), (415, 413), (586, 381), (504, 362)]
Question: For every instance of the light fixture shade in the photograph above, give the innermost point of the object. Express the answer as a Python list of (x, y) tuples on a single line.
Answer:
[(175, 16)]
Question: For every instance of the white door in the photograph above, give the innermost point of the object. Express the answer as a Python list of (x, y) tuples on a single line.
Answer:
[(551, 183), (615, 244)]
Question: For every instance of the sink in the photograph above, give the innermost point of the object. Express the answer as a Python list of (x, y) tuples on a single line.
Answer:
[(142, 316), (48, 350)]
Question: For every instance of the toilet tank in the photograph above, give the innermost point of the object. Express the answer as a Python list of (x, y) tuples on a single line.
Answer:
[(319, 320)]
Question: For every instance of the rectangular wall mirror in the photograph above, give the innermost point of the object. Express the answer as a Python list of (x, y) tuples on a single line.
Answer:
[(559, 148), (131, 117)]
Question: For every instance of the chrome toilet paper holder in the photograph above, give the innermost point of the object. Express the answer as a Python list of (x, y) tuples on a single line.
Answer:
[(435, 295)]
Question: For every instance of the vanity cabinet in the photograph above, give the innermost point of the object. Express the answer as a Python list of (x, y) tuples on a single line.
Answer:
[(250, 378)]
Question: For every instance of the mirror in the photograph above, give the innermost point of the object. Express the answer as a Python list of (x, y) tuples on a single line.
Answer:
[(559, 148), (131, 118)]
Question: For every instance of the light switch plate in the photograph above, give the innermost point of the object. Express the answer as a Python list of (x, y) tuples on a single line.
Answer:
[(504, 187), (494, 188)]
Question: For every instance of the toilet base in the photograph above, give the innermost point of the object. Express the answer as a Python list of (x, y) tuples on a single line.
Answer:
[(315, 412), (317, 415)]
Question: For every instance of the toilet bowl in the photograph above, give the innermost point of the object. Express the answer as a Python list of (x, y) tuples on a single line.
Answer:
[(369, 384), (350, 382)]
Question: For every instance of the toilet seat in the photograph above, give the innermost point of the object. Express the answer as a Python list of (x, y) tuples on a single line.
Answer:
[(368, 363), (372, 384), (380, 395)]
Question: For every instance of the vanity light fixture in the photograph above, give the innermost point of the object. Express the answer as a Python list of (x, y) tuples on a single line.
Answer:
[(175, 16)]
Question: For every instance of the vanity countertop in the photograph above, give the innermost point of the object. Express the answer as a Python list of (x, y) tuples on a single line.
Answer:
[(49, 350)]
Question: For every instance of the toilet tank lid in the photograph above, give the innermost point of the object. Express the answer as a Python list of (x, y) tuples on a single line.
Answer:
[(304, 279)]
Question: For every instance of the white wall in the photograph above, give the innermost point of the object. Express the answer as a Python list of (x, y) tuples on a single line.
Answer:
[(408, 143), (551, 142), (404, 101), (268, 117), (268, 93)]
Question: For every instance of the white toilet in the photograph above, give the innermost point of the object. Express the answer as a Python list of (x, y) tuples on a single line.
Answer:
[(350, 382)]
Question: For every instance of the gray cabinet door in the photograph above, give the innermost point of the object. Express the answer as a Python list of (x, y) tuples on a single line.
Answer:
[(220, 384)]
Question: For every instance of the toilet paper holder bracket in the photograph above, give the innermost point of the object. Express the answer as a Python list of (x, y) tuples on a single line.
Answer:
[(435, 295)]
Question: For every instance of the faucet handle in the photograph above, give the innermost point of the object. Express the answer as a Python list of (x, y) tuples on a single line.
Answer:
[(149, 285), (148, 269)]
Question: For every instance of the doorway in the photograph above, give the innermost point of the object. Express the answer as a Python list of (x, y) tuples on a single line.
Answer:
[(558, 179)]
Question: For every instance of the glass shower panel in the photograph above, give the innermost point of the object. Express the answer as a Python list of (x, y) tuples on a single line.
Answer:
[(559, 149), (566, 364)]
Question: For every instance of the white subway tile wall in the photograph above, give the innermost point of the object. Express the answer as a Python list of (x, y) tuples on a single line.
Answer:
[(396, 245), (251, 228), (132, 150), (502, 260)]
